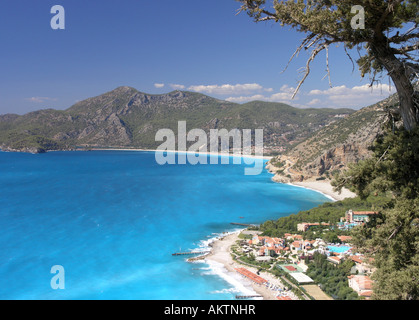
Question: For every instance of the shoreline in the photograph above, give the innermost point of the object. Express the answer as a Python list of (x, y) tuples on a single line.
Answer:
[(220, 257), (220, 253), (193, 152), (223, 154), (324, 187)]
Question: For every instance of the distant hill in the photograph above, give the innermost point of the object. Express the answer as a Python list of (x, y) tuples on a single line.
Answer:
[(127, 118)]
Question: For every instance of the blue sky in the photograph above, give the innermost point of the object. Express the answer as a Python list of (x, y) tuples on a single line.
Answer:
[(157, 46)]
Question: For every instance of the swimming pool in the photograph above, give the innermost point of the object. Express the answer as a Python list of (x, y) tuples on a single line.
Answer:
[(339, 249)]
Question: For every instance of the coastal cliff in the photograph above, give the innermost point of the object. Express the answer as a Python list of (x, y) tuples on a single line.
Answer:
[(332, 148)]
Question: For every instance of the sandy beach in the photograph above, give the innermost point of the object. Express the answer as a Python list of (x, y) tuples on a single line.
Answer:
[(221, 248), (322, 186), (195, 152), (221, 253), (326, 188)]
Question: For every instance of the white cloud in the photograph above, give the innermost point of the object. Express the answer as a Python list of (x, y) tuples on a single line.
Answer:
[(159, 85), (243, 99), (284, 95), (228, 89), (40, 99), (314, 102), (378, 89), (330, 91), (315, 92), (355, 97), (177, 86), (337, 97)]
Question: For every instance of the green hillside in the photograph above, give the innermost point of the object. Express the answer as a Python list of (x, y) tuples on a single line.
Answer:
[(126, 117)]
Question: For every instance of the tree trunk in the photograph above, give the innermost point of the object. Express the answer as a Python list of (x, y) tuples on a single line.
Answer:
[(398, 74)]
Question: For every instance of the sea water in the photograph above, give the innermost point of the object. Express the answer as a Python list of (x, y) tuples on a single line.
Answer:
[(112, 220)]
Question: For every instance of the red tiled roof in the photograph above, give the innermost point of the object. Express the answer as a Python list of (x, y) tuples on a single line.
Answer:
[(345, 238), (364, 282), (367, 284), (335, 258), (356, 259), (296, 244), (251, 275), (364, 212)]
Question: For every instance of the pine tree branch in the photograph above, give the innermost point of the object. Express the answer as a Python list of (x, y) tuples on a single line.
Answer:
[(302, 46), (390, 8), (403, 38), (406, 49), (313, 55), (383, 155)]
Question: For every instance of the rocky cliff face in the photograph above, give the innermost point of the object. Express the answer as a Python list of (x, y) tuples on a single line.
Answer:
[(336, 159), (334, 147)]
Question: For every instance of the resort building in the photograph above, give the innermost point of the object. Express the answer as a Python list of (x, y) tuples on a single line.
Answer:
[(361, 285), (256, 239), (303, 227), (345, 238), (360, 265), (290, 236), (296, 246), (267, 241), (293, 259), (358, 216), (269, 251), (334, 259)]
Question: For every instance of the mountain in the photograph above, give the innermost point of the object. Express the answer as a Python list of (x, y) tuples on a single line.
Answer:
[(332, 148), (127, 118)]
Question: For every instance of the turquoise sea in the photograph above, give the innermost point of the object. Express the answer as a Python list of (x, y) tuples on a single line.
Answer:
[(112, 220)]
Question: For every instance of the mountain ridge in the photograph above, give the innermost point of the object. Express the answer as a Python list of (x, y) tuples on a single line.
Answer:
[(126, 117)]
